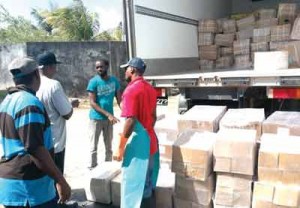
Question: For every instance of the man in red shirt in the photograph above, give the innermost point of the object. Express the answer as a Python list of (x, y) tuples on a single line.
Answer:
[(139, 109)]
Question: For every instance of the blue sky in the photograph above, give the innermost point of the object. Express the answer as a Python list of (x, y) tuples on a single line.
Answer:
[(109, 11)]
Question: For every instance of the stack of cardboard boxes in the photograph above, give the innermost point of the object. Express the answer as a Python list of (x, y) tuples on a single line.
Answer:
[(235, 156), (227, 43), (192, 158), (278, 182)]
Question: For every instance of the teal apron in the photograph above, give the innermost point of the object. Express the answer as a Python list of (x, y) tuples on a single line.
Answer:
[(134, 167)]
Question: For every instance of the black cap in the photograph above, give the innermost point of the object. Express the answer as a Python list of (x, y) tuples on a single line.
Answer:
[(47, 58), (137, 63)]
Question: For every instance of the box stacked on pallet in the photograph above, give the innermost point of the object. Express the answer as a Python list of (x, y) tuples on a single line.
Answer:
[(208, 52), (167, 131), (235, 153), (245, 118), (278, 172), (201, 117), (282, 122), (192, 163)]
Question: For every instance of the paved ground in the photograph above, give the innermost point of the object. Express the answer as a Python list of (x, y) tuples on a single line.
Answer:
[(77, 150)]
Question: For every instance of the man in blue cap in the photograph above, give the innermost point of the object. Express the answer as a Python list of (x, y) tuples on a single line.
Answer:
[(27, 170), (138, 141)]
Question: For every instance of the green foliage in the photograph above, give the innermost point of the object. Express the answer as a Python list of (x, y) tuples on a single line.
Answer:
[(72, 23)]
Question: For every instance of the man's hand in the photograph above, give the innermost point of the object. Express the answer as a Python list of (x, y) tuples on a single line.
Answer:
[(112, 119), (64, 191), (118, 156)]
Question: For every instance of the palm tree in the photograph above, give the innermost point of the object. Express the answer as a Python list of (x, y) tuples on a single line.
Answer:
[(74, 22)]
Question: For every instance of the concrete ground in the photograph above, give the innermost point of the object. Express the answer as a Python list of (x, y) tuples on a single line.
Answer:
[(77, 149)]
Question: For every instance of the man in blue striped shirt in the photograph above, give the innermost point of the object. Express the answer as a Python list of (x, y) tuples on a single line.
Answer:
[(27, 170)]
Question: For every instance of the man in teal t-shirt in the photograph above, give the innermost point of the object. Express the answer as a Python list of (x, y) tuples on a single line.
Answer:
[(102, 89)]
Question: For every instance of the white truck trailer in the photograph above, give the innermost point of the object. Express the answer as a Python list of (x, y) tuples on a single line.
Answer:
[(165, 34)]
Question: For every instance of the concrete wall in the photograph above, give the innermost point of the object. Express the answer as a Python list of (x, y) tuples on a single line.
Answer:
[(249, 5), (7, 54), (78, 60)]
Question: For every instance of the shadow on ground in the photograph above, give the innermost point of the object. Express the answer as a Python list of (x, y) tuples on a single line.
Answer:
[(79, 196)]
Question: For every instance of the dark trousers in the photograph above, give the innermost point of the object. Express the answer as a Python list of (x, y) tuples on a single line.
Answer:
[(49, 204), (59, 159)]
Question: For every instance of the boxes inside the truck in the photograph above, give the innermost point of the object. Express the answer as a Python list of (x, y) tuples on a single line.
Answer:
[(287, 13), (192, 154), (229, 26), (266, 13), (243, 61), (280, 60), (246, 22), (225, 51), (225, 39), (266, 22), (278, 45), (295, 35), (224, 62), (210, 52), (235, 151), (208, 26), (241, 47), (206, 39), (202, 117), (262, 35), (245, 33), (233, 190), (280, 32), (207, 64)]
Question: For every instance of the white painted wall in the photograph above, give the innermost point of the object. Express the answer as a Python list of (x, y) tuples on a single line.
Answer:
[(158, 38)]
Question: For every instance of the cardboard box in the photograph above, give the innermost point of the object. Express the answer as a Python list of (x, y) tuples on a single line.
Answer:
[(225, 39), (280, 60), (283, 122), (235, 151), (206, 39), (179, 203), (167, 133), (279, 159), (245, 34), (98, 186), (226, 51), (208, 26), (266, 22), (245, 22), (165, 189), (293, 49), (276, 195), (241, 47), (242, 61), (287, 13), (295, 35), (229, 26), (224, 62), (233, 190), (207, 64), (210, 52), (192, 154), (262, 35), (281, 32), (245, 118), (199, 192), (201, 117)]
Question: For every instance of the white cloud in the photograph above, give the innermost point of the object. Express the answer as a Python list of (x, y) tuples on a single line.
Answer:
[(109, 17)]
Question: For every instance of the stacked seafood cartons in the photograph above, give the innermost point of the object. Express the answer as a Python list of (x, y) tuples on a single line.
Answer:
[(166, 130), (208, 51), (192, 156), (234, 162), (279, 162), (235, 156), (192, 164), (241, 47), (278, 182)]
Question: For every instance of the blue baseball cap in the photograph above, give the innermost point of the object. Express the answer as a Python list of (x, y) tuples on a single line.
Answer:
[(47, 58), (137, 63)]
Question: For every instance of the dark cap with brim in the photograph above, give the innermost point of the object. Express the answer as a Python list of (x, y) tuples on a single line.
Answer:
[(137, 63), (20, 67), (47, 58)]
